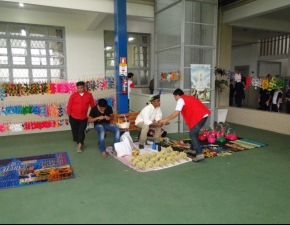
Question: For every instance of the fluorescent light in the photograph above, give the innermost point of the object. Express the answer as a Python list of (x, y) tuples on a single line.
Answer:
[(108, 48), (131, 38), (21, 4)]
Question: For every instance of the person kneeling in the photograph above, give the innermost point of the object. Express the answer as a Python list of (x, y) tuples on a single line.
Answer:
[(101, 115), (150, 116)]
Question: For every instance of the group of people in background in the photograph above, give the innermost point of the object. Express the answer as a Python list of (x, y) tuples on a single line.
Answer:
[(268, 100), (194, 112)]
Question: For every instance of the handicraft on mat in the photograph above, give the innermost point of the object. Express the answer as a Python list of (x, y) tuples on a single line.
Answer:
[(26, 171)]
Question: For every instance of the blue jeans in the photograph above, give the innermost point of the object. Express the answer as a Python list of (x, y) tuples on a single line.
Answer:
[(101, 129), (193, 134)]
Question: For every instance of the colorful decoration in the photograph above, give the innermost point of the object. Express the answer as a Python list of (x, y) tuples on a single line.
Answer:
[(272, 84), (256, 82), (169, 76), (248, 81), (11, 89), (238, 77)]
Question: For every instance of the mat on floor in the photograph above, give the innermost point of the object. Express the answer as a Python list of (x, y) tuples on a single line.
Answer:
[(222, 148), (152, 160), (31, 170)]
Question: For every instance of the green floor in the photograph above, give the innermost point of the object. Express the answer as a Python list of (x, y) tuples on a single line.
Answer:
[(247, 187)]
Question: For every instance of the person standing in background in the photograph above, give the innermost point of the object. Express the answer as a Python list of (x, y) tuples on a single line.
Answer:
[(151, 86), (232, 93), (77, 109), (239, 93), (130, 85), (277, 100)]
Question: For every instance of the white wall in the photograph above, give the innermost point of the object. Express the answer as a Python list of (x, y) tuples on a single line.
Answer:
[(84, 49)]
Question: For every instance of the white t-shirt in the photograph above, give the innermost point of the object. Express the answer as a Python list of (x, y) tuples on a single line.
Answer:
[(179, 105), (149, 114), (275, 96)]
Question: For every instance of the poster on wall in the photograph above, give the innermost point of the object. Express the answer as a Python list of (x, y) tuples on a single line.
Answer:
[(200, 82)]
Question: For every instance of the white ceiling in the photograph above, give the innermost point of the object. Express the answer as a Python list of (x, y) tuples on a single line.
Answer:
[(246, 25)]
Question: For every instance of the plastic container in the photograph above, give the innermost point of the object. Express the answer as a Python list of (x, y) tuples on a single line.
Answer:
[(153, 146)]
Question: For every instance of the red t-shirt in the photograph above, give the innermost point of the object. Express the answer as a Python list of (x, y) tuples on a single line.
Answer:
[(193, 110)]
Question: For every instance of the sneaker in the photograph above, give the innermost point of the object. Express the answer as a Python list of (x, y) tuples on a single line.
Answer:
[(190, 151), (141, 146), (198, 158)]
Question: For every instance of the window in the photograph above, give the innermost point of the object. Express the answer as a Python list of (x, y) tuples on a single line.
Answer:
[(31, 53), (138, 56)]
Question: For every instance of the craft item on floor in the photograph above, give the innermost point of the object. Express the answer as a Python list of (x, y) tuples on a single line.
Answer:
[(231, 134), (152, 160), (177, 144), (31, 170)]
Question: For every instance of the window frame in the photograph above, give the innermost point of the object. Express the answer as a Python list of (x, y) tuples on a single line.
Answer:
[(50, 41), (141, 73)]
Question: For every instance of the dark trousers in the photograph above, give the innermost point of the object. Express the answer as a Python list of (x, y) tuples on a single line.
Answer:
[(275, 108), (78, 128), (193, 134)]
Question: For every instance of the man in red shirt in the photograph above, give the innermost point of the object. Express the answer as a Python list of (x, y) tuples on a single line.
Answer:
[(195, 114), (77, 110)]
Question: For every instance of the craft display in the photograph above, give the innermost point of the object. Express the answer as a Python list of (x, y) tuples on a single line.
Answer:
[(173, 143), (27, 171), (248, 81), (33, 125), (158, 159), (44, 110), (2, 93), (172, 75), (255, 81), (231, 134), (12, 89)]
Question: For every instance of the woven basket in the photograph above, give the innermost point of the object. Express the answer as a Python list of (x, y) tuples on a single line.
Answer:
[(124, 125)]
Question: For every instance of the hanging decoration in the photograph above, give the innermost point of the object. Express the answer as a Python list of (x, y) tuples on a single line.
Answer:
[(272, 84), (170, 76), (2, 93), (256, 82), (248, 81), (44, 110), (12, 89), (238, 77)]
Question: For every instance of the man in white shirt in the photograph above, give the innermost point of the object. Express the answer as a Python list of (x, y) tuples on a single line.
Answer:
[(149, 116)]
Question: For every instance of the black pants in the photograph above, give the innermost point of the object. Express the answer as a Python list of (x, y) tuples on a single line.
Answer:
[(275, 108), (78, 128)]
